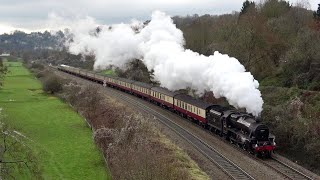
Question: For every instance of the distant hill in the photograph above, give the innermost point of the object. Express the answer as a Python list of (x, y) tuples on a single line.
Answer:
[(21, 41)]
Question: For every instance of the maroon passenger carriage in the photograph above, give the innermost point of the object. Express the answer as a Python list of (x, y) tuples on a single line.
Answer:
[(141, 89), (163, 97), (192, 108)]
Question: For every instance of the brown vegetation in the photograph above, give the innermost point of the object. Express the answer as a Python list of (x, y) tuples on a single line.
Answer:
[(52, 84), (293, 116), (3, 70)]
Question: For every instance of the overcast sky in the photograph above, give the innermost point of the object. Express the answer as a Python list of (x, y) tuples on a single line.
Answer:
[(31, 15)]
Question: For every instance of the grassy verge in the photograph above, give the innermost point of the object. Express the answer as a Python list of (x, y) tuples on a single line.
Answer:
[(60, 136), (109, 72)]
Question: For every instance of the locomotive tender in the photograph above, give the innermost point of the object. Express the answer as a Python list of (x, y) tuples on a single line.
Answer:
[(239, 128)]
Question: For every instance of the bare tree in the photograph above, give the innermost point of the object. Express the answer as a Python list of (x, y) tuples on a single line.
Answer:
[(16, 157)]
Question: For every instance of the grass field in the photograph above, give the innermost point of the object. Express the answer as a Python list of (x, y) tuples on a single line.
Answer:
[(109, 72), (60, 135)]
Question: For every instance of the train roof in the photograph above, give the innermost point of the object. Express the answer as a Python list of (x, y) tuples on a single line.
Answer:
[(124, 80), (63, 65), (193, 101), (142, 84), (164, 91), (219, 108), (109, 76)]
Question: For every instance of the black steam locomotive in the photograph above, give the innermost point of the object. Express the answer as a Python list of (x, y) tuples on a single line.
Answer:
[(242, 129)]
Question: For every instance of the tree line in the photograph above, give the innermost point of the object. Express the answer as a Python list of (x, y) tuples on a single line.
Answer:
[(274, 40)]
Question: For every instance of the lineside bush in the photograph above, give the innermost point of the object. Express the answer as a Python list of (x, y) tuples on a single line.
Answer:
[(52, 84)]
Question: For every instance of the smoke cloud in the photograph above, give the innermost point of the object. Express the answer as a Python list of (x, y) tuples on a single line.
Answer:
[(159, 44)]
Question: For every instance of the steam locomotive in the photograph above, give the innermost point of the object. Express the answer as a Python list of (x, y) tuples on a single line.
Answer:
[(237, 127)]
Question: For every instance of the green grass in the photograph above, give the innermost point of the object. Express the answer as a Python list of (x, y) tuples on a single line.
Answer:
[(108, 72), (60, 136)]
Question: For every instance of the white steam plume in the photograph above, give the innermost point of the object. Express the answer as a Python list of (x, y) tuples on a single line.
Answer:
[(160, 46)]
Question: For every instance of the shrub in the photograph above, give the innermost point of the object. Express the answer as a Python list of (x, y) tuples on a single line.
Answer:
[(52, 84), (37, 66), (40, 74)]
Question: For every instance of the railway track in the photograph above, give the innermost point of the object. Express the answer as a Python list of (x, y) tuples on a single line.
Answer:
[(231, 169), (286, 170)]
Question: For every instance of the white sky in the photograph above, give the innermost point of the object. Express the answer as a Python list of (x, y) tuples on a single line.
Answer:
[(30, 15)]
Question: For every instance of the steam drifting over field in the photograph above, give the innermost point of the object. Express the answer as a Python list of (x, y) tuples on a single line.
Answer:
[(160, 46)]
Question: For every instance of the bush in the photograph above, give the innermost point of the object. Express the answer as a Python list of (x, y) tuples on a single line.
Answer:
[(37, 66), (52, 84), (40, 74)]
